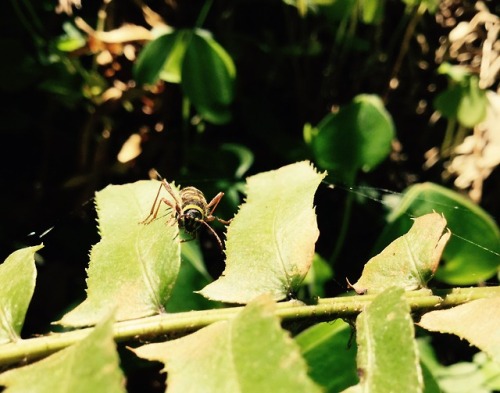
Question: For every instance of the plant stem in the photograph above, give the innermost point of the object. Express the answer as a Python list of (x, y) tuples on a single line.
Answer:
[(186, 322), (344, 227), (417, 13), (446, 145), (203, 14)]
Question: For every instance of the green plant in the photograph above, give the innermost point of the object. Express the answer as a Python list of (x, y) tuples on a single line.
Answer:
[(264, 345)]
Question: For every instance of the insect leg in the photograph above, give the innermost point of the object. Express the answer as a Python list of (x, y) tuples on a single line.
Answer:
[(170, 190), (212, 206), (214, 202), (151, 216), (156, 207), (154, 212)]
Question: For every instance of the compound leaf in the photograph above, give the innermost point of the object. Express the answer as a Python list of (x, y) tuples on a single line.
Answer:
[(17, 284), (91, 365), (270, 242), (476, 322), (249, 353), (387, 350), (134, 266), (410, 261)]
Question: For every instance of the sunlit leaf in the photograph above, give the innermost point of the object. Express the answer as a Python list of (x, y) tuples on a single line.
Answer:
[(249, 353), (472, 254), (476, 322), (270, 242), (410, 261), (134, 266), (91, 365), (329, 354), (387, 351), (17, 284), (356, 138)]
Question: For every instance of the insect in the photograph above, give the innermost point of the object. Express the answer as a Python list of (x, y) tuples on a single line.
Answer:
[(190, 207)]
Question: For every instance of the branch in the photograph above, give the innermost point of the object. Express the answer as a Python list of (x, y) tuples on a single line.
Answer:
[(183, 323)]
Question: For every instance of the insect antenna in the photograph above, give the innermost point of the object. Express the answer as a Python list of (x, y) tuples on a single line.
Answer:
[(213, 233)]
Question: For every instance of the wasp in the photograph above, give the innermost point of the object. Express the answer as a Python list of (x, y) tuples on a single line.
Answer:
[(190, 208)]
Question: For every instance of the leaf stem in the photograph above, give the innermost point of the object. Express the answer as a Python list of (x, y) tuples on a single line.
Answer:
[(346, 217), (186, 322), (203, 14)]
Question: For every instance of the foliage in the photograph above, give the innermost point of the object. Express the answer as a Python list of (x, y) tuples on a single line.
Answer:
[(399, 94), (246, 348)]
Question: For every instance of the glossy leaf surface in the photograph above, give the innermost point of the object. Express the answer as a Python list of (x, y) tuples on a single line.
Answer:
[(208, 74), (356, 138)]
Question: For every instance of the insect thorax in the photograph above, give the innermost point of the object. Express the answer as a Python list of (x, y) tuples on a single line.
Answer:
[(193, 196), (194, 209)]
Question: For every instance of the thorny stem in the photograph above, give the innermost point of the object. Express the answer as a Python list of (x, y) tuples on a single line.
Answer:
[(186, 322)]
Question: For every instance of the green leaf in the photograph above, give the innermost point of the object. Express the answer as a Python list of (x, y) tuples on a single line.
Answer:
[(482, 375), (410, 261), (430, 365), (331, 359), (430, 5), (358, 137), (243, 154), (476, 322), (208, 74), (270, 242), (91, 365), (134, 266), (430, 382), (162, 57), (455, 73), (172, 69), (317, 276), (248, 353), (372, 11), (17, 284), (387, 351), (192, 277), (463, 99), (471, 255)]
